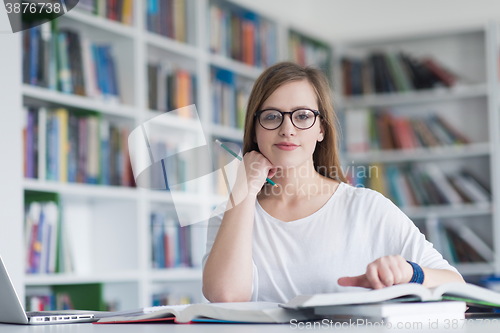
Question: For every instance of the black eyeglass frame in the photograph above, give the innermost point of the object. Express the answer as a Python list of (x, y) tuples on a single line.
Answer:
[(283, 113)]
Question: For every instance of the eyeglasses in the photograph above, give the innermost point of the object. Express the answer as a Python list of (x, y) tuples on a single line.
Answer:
[(302, 119)]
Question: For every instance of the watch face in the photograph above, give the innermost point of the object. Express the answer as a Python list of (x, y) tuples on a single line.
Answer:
[(18, 15)]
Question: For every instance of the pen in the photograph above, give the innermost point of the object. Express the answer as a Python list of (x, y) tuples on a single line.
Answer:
[(226, 148)]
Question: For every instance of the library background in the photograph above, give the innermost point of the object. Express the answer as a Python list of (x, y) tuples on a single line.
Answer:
[(419, 113)]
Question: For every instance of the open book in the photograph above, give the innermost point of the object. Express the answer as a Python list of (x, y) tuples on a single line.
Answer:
[(307, 307), (451, 291), (244, 312)]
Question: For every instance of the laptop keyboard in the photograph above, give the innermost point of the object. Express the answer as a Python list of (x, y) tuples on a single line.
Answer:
[(50, 313)]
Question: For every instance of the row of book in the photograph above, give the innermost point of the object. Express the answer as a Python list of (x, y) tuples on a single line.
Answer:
[(171, 243), (169, 18), (458, 242), (49, 242), (174, 170), (88, 296), (368, 130), (75, 146), (461, 251), (64, 60), (170, 88), (49, 302), (242, 35), (422, 185), (116, 10), (230, 95), (168, 298), (309, 52), (42, 234), (388, 72)]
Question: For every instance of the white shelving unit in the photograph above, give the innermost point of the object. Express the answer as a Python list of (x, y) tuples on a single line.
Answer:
[(114, 223), (11, 215), (493, 54), (116, 219), (471, 106)]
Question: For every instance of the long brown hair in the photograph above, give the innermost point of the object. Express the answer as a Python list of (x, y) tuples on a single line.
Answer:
[(326, 155)]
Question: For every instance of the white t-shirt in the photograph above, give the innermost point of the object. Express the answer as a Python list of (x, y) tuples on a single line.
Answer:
[(355, 227)]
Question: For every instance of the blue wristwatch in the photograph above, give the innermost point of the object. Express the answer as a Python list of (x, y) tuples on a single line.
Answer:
[(418, 273)]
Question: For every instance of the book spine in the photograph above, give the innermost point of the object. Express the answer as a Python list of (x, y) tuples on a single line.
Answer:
[(106, 163), (81, 174), (64, 69), (62, 117), (93, 151), (73, 147), (33, 52), (153, 89)]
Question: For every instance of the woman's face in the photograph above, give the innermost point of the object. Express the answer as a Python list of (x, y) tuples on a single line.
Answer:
[(288, 146)]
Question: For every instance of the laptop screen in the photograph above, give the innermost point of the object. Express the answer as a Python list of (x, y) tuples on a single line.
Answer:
[(12, 311)]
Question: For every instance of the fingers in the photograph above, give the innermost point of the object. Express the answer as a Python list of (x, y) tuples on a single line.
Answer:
[(375, 274), (255, 168), (272, 172), (354, 281), (257, 165), (383, 272), (388, 271)]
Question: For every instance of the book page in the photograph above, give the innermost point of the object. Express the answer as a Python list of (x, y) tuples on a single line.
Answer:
[(470, 292), (361, 297), (154, 312), (248, 312)]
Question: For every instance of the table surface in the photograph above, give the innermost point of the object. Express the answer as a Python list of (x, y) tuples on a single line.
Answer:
[(468, 325)]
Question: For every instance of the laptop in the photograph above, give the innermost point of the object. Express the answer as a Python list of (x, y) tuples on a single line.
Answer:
[(12, 311)]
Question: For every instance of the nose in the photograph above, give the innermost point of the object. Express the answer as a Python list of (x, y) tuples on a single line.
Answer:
[(287, 128)]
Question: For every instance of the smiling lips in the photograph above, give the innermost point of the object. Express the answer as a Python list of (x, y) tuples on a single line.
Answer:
[(286, 146)]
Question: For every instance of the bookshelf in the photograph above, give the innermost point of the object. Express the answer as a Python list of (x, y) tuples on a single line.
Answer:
[(374, 94), (109, 226), (307, 50), (123, 259)]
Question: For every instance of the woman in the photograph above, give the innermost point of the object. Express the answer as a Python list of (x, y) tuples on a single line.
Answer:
[(312, 233)]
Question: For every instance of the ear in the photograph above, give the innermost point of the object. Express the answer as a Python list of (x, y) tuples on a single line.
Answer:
[(321, 134)]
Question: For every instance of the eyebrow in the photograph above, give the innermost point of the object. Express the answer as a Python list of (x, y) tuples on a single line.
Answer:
[(294, 108)]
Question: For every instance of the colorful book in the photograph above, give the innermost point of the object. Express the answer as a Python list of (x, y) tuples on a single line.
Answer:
[(243, 312)]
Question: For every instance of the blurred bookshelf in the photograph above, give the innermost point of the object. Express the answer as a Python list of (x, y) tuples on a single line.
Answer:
[(208, 53), (307, 50), (420, 117), (86, 80)]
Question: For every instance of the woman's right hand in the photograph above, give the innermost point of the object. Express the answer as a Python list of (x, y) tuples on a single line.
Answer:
[(253, 172)]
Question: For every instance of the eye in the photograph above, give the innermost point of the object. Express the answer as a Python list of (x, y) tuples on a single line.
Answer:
[(303, 114), (271, 115)]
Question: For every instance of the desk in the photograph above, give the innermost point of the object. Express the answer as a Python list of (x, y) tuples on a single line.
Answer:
[(469, 326)]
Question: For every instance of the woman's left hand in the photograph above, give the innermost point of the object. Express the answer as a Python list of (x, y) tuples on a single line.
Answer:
[(383, 272)]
